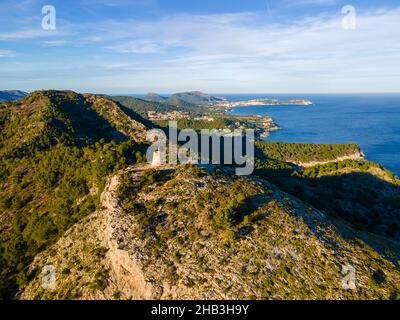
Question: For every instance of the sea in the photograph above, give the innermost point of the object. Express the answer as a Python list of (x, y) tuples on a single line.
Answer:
[(370, 120)]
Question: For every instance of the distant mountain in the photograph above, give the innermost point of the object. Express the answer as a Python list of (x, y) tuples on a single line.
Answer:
[(154, 97), (143, 106), (183, 104), (183, 98), (11, 95), (196, 97), (62, 146)]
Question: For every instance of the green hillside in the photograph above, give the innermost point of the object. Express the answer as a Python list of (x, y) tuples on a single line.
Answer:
[(185, 233), (195, 97), (336, 180), (142, 107), (306, 152), (56, 149)]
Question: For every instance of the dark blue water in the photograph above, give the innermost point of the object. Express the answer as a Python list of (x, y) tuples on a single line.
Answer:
[(370, 120)]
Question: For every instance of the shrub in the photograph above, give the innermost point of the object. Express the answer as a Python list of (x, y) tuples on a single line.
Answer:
[(150, 176), (227, 216)]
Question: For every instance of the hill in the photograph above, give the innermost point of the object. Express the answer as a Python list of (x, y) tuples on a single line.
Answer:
[(154, 97), (142, 107), (308, 154), (171, 234), (46, 118), (56, 149), (336, 179), (11, 95), (195, 97)]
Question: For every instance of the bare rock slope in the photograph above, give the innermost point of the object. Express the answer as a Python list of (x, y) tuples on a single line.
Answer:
[(182, 233)]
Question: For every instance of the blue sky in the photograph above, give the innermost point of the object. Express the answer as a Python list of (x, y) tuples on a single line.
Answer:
[(224, 46)]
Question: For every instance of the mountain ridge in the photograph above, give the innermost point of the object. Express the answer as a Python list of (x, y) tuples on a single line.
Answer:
[(12, 95), (154, 97), (56, 150), (192, 97), (263, 259)]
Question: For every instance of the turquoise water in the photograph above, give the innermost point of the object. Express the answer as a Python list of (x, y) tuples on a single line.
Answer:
[(370, 120)]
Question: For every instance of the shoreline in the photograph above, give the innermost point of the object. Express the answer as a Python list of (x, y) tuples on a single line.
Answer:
[(262, 102)]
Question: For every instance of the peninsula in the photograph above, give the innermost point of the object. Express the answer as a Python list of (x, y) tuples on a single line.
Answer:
[(263, 102)]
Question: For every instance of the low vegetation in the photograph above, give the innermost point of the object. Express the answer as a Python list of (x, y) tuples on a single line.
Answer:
[(213, 235), (305, 152), (142, 107), (54, 175)]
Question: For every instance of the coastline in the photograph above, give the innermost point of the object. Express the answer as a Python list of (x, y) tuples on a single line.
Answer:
[(358, 156), (371, 121), (263, 102)]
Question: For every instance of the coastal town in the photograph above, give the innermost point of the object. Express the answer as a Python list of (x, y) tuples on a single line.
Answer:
[(214, 113), (163, 116)]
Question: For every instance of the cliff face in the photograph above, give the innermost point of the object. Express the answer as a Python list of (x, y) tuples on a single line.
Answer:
[(357, 156), (178, 237), (89, 262)]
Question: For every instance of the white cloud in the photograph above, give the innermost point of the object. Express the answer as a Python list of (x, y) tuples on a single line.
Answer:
[(137, 46), (242, 50), (22, 34), (34, 33), (5, 53), (55, 43), (246, 35)]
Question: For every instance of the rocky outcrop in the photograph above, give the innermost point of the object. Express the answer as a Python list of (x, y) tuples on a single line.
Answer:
[(158, 266), (126, 271)]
